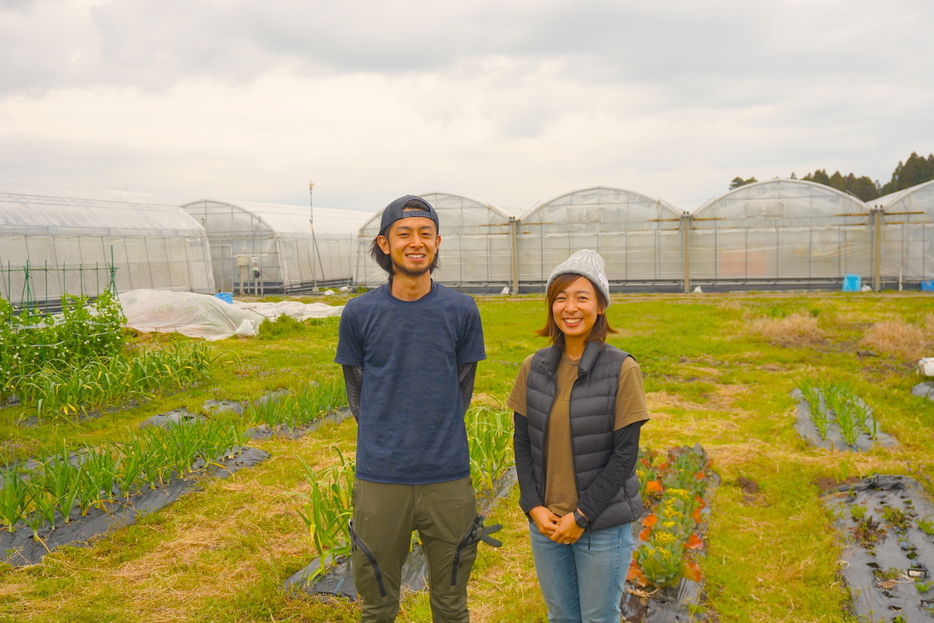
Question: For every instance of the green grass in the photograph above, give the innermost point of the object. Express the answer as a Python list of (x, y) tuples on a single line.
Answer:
[(220, 554)]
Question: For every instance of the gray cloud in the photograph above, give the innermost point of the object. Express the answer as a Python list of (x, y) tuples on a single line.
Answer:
[(700, 49), (547, 95)]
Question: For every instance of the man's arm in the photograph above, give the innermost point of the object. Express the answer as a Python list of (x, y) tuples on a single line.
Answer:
[(353, 382), (466, 372)]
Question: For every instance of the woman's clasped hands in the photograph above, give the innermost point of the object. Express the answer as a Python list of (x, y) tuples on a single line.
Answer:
[(559, 529)]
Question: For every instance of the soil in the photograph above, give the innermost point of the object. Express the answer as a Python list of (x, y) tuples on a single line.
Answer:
[(826, 483), (750, 489)]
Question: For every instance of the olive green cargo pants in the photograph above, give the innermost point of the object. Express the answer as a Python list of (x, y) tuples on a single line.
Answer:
[(384, 517)]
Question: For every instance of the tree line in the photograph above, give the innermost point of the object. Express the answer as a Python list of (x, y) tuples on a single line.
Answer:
[(915, 170)]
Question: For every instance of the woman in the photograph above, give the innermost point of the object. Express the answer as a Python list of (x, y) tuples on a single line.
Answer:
[(579, 406)]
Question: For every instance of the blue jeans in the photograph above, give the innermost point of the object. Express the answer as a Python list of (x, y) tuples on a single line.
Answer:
[(583, 582)]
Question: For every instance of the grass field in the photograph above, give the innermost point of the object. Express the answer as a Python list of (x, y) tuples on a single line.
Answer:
[(718, 371)]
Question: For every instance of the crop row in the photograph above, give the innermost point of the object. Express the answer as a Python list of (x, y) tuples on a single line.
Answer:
[(300, 409), (674, 484), (327, 509), (66, 483), (835, 401), (61, 391)]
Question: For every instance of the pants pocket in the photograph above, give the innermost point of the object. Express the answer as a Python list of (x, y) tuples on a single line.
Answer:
[(360, 553)]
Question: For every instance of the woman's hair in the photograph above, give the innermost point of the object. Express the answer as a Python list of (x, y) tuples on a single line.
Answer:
[(600, 328)]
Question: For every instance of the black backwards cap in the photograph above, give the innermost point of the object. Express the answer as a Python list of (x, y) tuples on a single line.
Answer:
[(396, 210)]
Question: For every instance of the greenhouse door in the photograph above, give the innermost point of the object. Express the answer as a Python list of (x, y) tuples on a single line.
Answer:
[(224, 265)]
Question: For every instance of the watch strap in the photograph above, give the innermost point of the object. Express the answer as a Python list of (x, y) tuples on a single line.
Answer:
[(580, 520)]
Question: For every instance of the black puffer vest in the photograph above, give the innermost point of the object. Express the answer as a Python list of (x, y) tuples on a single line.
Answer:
[(592, 415)]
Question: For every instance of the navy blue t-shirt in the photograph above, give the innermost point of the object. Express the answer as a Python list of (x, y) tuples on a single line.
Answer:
[(411, 422)]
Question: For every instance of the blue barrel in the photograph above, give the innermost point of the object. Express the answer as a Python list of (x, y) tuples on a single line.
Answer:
[(852, 283)]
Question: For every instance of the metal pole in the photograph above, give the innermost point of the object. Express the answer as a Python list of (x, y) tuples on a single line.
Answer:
[(686, 249), (877, 248), (314, 240), (27, 291), (513, 239), (113, 272)]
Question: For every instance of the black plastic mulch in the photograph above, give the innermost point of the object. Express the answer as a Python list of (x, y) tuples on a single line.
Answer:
[(805, 427), (888, 526), (20, 549), (681, 603), (172, 418), (338, 580), (924, 390), (671, 604), (265, 432)]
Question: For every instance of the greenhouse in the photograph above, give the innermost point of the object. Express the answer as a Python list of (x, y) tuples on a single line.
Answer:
[(266, 247), (476, 253), (780, 233), (57, 239), (639, 237), (907, 234)]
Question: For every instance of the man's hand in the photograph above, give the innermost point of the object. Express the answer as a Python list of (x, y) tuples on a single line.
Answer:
[(545, 520), (566, 531)]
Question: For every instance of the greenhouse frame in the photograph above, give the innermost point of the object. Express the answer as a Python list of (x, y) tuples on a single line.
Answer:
[(638, 236), (906, 227), (780, 234), (266, 247), (59, 239), (477, 245)]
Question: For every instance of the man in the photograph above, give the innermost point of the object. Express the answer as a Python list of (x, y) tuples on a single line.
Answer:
[(409, 352)]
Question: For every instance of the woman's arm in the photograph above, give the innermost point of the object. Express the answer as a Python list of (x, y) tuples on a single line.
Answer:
[(618, 469), (528, 492), (529, 500)]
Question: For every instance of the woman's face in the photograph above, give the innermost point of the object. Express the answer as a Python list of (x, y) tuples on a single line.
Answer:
[(576, 308)]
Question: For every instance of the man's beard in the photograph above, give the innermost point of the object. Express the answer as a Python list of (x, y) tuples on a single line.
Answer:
[(408, 272)]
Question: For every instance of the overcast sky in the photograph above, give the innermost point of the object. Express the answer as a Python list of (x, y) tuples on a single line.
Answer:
[(507, 102)]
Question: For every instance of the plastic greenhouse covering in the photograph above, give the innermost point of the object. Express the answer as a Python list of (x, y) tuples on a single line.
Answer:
[(908, 233), (68, 237), (638, 236), (267, 247), (779, 232), (476, 245)]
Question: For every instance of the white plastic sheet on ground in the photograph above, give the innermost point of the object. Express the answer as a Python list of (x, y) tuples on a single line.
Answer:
[(295, 309), (208, 317)]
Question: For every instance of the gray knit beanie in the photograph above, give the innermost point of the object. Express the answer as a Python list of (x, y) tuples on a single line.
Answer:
[(586, 263)]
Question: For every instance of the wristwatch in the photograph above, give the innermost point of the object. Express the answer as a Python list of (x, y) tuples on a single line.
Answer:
[(580, 520)]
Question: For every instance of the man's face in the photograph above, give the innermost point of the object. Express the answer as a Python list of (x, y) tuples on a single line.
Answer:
[(411, 244)]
